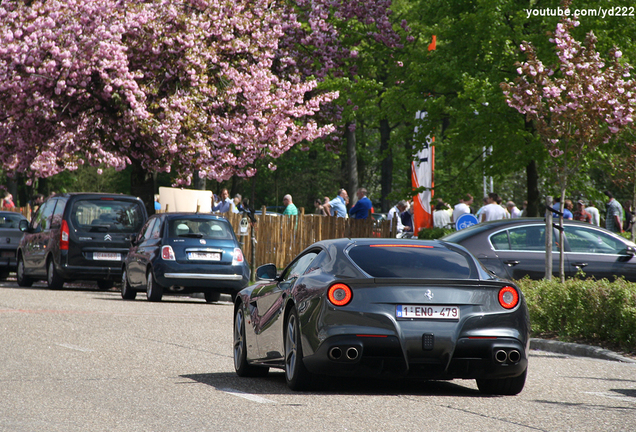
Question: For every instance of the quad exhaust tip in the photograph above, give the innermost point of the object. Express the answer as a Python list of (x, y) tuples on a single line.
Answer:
[(335, 353), (351, 353), (514, 356)]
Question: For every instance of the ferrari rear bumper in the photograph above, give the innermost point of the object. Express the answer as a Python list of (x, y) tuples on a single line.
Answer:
[(375, 355)]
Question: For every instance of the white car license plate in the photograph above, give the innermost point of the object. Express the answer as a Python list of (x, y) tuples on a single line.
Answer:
[(204, 256), (422, 311), (106, 256)]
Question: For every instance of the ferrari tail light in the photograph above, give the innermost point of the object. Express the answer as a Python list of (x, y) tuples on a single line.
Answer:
[(64, 235), (339, 294), (508, 297), (237, 256), (167, 253)]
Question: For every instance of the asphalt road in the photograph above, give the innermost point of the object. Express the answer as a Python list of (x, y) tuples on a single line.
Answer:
[(80, 359)]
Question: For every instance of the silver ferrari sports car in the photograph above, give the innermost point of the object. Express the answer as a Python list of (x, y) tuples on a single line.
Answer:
[(383, 307)]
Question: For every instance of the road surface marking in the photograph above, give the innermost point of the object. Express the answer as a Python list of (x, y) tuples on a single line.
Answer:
[(247, 396)]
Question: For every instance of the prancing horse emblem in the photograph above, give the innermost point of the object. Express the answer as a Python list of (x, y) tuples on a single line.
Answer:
[(107, 237), (429, 294)]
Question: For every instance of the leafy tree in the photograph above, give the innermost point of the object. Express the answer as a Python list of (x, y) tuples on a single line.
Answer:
[(161, 85), (575, 105)]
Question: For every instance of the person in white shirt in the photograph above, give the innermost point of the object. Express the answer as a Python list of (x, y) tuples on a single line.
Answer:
[(493, 211), (593, 211), (463, 207), (513, 209), (395, 212), (441, 216)]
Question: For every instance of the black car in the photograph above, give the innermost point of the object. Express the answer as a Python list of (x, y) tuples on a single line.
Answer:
[(79, 236), (376, 307), (515, 248), (10, 236), (184, 253)]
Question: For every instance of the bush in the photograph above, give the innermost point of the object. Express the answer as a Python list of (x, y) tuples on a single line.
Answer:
[(591, 310), (433, 233)]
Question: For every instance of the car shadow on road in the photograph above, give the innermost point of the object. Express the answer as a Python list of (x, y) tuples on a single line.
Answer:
[(274, 383)]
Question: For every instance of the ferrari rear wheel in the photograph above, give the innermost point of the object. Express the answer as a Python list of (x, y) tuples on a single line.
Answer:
[(241, 366), (154, 291), (296, 374), (503, 386)]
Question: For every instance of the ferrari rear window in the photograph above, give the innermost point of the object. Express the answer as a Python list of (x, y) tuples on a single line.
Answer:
[(397, 261)]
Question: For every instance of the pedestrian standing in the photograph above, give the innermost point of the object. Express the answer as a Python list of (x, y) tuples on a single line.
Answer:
[(363, 207), (593, 211), (513, 209), (290, 207), (463, 207), (225, 203), (580, 214), (493, 211), (614, 216), (338, 205)]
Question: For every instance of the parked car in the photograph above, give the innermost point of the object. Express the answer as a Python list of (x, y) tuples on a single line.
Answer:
[(515, 248), (78, 236), (371, 307), (184, 253), (10, 236)]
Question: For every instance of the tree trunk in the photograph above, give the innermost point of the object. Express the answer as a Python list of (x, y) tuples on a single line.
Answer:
[(352, 162), (561, 239), (198, 182), (142, 186), (534, 199), (386, 179)]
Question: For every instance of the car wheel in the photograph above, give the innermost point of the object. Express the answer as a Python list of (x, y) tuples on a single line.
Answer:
[(212, 296), (127, 293), (53, 278), (154, 291), (23, 280), (503, 386), (296, 374), (241, 366), (105, 284)]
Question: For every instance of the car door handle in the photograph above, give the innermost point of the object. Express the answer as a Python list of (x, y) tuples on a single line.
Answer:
[(511, 263), (579, 265)]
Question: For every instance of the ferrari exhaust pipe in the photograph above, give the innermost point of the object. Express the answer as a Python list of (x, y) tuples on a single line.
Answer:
[(352, 353), (501, 356), (514, 356), (335, 353)]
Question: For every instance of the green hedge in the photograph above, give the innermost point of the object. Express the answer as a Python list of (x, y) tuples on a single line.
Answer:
[(589, 310), (433, 233)]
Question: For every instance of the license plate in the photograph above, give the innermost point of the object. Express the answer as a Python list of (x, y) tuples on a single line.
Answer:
[(106, 256), (432, 311), (204, 256)]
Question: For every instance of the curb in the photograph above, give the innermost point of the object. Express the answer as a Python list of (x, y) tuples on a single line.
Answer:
[(577, 350)]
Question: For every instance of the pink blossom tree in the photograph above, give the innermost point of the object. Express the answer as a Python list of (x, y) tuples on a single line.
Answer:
[(187, 86), (576, 105)]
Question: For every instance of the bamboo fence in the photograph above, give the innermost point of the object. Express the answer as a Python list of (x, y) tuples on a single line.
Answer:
[(280, 238)]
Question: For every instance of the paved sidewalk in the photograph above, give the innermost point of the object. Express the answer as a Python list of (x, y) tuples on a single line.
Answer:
[(577, 350)]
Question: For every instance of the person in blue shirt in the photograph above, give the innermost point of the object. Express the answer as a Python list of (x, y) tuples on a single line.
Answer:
[(338, 205), (362, 208), (225, 203)]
